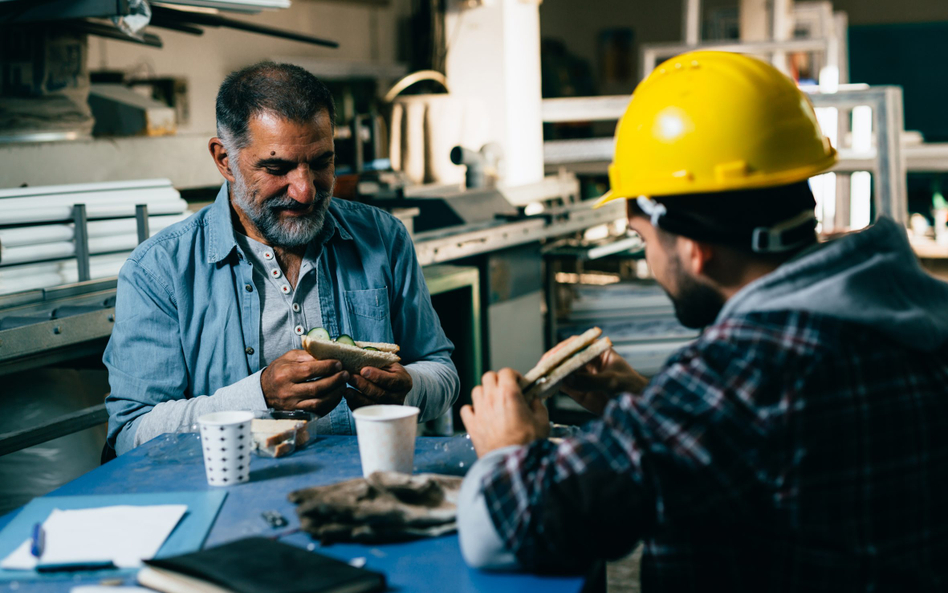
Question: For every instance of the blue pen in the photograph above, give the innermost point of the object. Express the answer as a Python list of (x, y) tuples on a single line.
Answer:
[(38, 540)]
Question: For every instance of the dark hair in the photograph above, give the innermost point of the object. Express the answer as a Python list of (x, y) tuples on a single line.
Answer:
[(729, 218), (283, 89)]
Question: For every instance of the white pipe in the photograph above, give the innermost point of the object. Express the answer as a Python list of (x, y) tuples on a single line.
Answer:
[(691, 21), (99, 267), (46, 190), (34, 215), (140, 196), (36, 253), (57, 267), (35, 235)]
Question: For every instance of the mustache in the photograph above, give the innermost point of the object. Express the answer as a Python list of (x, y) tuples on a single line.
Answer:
[(285, 202)]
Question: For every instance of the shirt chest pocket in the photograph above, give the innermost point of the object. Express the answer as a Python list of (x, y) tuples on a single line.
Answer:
[(369, 314)]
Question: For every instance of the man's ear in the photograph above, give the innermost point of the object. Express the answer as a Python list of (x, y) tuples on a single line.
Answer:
[(695, 255), (221, 158)]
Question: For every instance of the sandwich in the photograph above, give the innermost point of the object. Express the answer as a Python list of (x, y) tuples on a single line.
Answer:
[(353, 355), (566, 358), (277, 438)]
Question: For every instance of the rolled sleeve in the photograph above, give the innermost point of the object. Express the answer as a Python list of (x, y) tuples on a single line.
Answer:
[(148, 370)]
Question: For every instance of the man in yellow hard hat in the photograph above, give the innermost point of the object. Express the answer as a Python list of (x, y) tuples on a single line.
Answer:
[(801, 442)]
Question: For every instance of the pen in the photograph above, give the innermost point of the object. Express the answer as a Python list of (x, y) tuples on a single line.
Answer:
[(37, 542)]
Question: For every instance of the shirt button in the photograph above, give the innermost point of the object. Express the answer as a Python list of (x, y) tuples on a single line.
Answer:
[(285, 288), (249, 350), (275, 272), (299, 330), (268, 255), (296, 307), (248, 288)]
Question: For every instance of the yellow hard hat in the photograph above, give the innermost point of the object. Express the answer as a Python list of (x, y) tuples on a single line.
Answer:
[(710, 121)]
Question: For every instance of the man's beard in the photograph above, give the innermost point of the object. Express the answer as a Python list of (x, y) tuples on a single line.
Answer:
[(291, 233), (697, 304)]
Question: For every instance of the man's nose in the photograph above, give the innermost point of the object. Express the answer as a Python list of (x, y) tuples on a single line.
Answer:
[(302, 187)]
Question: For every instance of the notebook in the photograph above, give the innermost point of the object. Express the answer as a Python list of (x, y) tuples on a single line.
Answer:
[(257, 565), (188, 535)]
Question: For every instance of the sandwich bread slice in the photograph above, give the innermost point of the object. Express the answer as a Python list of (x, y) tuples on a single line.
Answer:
[(278, 437), (566, 358), (353, 357)]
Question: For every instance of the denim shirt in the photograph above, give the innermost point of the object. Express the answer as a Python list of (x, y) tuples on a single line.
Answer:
[(186, 339)]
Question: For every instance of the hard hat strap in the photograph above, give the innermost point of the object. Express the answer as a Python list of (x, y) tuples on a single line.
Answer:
[(786, 235), (783, 236), (653, 209)]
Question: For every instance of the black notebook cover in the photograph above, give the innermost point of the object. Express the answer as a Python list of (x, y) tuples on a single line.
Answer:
[(261, 565)]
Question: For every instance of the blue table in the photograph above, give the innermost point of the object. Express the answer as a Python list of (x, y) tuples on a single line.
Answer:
[(173, 463)]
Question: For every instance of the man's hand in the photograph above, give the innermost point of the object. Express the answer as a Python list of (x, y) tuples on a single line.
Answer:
[(388, 385), (602, 379), (500, 415), (287, 383)]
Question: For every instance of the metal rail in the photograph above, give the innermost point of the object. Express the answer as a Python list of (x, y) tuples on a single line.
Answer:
[(887, 161), (11, 442), (58, 335)]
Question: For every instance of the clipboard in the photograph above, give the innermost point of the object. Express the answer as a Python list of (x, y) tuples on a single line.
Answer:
[(188, 536)]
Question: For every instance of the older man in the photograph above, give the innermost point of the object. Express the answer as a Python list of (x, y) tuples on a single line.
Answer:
[(210, 311), (799, 443)]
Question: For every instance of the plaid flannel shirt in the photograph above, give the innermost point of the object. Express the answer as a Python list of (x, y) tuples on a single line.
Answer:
[(780, 451)]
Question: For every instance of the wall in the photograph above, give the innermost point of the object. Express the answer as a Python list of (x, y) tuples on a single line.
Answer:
[(365, 33)]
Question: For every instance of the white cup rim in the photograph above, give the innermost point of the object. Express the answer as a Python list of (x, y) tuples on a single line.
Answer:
[(385, 413), (225, 418)]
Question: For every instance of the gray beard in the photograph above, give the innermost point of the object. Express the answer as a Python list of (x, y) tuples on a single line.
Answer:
[(287, 234)]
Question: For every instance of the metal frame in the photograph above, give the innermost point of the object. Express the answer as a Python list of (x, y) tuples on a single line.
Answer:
[(651, 53), (437, 246), (11, 442), (30, 341), (887, 162), (784, 22)]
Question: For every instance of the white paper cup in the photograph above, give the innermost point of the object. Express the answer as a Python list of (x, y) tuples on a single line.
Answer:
[(386, 438), (226, 445)]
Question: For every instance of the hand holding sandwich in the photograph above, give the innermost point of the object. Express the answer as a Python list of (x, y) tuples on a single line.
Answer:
[(287, 383), (387, 385), (500, 415), (602, 379)]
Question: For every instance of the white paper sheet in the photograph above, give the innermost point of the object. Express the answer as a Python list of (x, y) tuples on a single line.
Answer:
[(126, 535)]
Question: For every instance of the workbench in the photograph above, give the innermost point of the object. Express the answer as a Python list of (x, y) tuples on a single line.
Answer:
[(174, 463)]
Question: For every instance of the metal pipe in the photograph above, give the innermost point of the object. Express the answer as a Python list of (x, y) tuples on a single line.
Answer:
[(95, 211), (48, 251), (57, 233), (67, 274), (81, 241), (691, 16), (475, 163), (131, 197), (141, 220), (167, 15)]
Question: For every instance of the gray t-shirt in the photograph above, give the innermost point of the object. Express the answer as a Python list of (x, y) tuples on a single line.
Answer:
[(286, 313)]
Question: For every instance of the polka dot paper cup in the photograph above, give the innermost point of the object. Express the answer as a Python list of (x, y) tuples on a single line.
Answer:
[(226, 445), (386, 438)]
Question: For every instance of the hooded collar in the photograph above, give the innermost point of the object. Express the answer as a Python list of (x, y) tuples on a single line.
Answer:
[(870, 278)]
